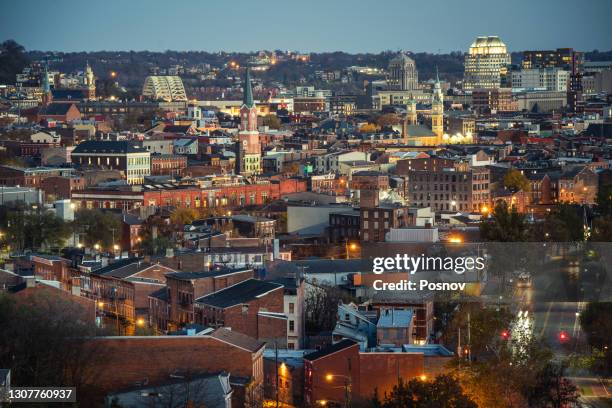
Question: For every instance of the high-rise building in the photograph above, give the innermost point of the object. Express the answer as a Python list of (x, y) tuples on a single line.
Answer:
[(403, 74), (543, 79), (559, 58), (485, 63)]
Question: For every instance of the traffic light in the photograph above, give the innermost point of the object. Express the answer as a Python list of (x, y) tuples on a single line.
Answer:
[(505, 334), (563, 336)]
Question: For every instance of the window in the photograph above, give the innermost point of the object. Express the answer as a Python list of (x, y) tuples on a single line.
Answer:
[(291, 308), (291, 325)]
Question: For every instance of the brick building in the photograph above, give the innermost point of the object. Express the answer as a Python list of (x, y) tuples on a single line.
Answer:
[(340, 369), (62, 187), (168, 164), (123, 288), (53, 268), (251, 307), (183, 288), (188, 196), (449, 190), (29, 177), (154, 360)]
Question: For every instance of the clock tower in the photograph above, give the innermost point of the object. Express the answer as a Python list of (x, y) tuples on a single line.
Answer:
[(248, 135)]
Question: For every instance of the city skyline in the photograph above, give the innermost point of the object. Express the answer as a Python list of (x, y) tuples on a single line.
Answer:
[(321, 27)]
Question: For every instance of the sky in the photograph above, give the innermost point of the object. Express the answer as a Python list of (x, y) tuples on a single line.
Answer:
[(304, 25)]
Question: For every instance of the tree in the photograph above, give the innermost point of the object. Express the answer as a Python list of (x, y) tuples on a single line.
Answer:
[(505, 225), (43, 340), (604, 200), (271, 121), (387, 120), (97, 227), (444, 391), (35, 230), (597, 325), (12, 61), (182, 216), (368, 128), (563, 224), (321, 305), (515, 180), (551, 389)]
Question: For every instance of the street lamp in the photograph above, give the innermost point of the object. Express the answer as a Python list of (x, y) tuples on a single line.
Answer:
[(97, 247), (140, 322), (348, 383)]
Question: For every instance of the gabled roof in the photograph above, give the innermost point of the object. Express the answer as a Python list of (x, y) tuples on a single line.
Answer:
[(238, 339), (177, 128), (324, 352), (204, 274), (55, 109), (239, 293)]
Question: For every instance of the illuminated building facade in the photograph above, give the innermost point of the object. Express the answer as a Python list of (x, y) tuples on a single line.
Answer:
[(485, 63)]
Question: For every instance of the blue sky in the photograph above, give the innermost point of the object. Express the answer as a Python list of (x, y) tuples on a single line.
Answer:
[(306, 25)]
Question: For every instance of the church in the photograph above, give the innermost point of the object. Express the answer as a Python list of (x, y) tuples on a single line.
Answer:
[(248, 154), (416, 134)]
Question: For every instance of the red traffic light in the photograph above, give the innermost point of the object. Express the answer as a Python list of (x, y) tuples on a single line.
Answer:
[(505, 334), (563, 336)]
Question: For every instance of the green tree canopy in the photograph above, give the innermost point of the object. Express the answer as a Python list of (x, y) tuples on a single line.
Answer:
[(515, 180), (444, 391), (12, 61), (505, 225), (95, 226)]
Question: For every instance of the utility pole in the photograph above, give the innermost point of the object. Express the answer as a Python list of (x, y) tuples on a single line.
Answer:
[(276, 366)]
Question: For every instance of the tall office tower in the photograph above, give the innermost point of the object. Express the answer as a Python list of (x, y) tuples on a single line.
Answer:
[(403, 74), (559, 58), (485, 63), (575, 101)]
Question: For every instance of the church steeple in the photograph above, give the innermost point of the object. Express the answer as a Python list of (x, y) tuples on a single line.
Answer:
[(248, 90), (437, 109)]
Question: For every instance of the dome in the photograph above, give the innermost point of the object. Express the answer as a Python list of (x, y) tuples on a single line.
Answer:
[(488, 45)]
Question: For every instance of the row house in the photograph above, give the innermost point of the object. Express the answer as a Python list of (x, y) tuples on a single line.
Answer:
[(122, 288), (173, 306), (252, 307)]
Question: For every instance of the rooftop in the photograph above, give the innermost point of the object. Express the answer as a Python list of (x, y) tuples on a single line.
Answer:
[(239, 293)]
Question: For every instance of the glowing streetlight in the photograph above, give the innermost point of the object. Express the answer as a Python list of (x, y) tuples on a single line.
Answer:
[(100, 305), (97, 247), (116, 247), (484, 209), (455, 240), (353, 246), (423, 377), (140, 322)]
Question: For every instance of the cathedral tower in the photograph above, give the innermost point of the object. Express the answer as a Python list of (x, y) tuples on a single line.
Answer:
[(248, 135), (437, 110)]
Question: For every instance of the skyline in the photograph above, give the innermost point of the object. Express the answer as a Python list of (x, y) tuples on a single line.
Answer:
[(321, 27)]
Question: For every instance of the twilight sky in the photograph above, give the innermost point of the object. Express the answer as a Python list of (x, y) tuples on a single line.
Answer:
[(305, 25)]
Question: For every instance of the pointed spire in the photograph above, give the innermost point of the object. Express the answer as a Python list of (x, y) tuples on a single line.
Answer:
[(46, 86), (248, 90), (437, 77)]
